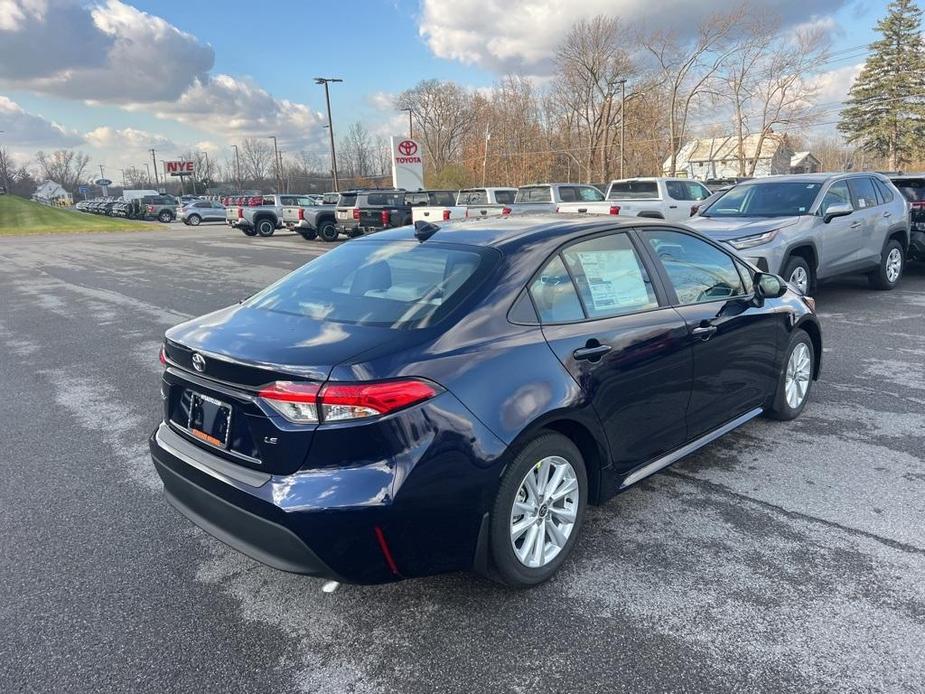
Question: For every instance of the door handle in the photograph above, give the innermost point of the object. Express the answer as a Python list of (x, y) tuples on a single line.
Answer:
[(704, 332), (672, 207), (888, 214), (582, 209), (593, 352), (855, 225)]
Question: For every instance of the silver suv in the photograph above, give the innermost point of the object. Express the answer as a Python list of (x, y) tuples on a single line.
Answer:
[(810, 227)]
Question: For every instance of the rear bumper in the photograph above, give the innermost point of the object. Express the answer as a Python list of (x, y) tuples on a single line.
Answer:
[(413, 507)]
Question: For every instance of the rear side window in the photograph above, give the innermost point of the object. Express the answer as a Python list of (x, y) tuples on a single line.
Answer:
[(698, 271), (385, 199), (534, 194), (629, 190), (611, 279), (505, 197), (396, 284), (554, 294), (862, 190), (416, 199), (883, 190), (473, 197)]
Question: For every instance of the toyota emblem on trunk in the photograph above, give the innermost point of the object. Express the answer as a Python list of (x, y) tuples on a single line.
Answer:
[(199, 362)]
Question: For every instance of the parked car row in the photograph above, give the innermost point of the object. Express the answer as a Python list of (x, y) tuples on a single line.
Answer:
[(160, 207)]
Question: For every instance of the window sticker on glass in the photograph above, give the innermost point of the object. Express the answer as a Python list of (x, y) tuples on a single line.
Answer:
[(614, 280)]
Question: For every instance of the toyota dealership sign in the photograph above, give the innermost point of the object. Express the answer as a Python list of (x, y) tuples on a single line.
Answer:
[(407, 163)]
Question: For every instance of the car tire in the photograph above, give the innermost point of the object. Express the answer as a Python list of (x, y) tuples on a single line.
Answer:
[(194, 220), (328, 232), (798, 273), (796, 378), (542, 519), (309, 235), (248, 231), (265, 227), (165, 217), (892, 265)]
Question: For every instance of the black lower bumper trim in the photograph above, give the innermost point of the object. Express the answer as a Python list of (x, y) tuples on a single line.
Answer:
[(258, 538)]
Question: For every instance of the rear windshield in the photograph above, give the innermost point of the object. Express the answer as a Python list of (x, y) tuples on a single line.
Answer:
[(397, 284), (505, 197), (913, 189), (779, 199), (347, 200), (385, 199), (631, 190), (534, 194), (330, 198)]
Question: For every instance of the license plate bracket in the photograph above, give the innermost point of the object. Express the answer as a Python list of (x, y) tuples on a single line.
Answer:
[(209, 419)]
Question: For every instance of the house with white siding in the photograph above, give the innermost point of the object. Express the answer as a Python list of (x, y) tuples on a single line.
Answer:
[(718, 157)]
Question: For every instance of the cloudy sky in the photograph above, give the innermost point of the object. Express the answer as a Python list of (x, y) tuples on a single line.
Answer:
[(115, 78)]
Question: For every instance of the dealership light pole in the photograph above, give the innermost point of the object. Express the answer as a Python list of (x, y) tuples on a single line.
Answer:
[(157, 181), (410, 123), (327, 98), (276, 163), (237, 168)]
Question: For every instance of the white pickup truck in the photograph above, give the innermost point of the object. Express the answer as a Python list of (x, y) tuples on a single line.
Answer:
[(560, 197), (672, 199), (470, 202)]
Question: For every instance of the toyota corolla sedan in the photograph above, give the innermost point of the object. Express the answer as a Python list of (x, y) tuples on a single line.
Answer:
[(438, 399)]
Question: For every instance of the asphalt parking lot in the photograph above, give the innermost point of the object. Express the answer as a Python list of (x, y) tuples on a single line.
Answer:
[(786, 557)]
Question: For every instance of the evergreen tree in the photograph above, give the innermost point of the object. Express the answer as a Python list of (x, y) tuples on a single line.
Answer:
[(885, 112)]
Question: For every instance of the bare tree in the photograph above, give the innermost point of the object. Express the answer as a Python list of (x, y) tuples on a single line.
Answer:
[(64, 166), (256, 156), (14, 178), (687, 68), (591, 64), (441, 115), (357, 151)]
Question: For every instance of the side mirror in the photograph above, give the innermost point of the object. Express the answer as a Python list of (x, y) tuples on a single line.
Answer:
[(840, 210), (769, 286)]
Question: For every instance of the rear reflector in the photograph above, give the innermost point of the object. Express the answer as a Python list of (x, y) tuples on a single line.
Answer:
[(162, 356), (386, 552), (306, 403), (384, 217), (301, 214), (356, 213), (505, 211), (614, 209), (446, 215), (240, 213)]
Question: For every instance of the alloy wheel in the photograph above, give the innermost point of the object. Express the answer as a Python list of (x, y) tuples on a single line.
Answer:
[(894, 265), (544, 511), (799, 368), (800, 279)]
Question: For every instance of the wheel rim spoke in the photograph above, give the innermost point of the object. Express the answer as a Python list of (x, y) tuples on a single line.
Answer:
[(555, 533)]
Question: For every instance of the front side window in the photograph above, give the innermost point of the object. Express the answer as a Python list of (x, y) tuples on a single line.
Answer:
[(698, 271), (610, 277), (836, 195), (396, 284), (554, 294)]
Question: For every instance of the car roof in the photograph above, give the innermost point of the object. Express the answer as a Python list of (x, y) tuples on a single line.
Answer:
[(500, 232), (807, 178)]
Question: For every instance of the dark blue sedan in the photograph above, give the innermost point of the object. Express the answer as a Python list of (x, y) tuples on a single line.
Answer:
[(436, 399)]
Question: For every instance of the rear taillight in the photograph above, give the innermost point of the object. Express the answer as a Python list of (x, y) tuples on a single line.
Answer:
[(505, 211), (162, 356), (917, 205), (306, 403), (301, 215), (614, 209), (356, 213), (384, 217), (446, 215), (240, 213), (150, 208)]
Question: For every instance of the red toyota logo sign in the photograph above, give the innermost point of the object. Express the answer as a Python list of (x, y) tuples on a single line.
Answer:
[(408, 147)]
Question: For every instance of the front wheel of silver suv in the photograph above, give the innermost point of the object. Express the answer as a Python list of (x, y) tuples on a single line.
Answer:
[(798, 273)]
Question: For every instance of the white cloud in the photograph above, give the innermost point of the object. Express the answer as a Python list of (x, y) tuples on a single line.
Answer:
[(24, 129), (382, 101), (110, 53), (521, 35), (239, 108), (105, 137), (832, 86)]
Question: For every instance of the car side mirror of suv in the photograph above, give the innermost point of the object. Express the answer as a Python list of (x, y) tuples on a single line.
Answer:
[(833, 211), (768, 286)]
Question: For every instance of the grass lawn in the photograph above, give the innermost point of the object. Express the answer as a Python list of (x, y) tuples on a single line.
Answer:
[(19, 216)]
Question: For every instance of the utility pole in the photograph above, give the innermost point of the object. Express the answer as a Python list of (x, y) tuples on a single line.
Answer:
[(410, 123), (327, 98), (279, 185), (148, 177), (622, 126), (485, 157), (102, 175), (157, 181), (237, 168), (123, 177)]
